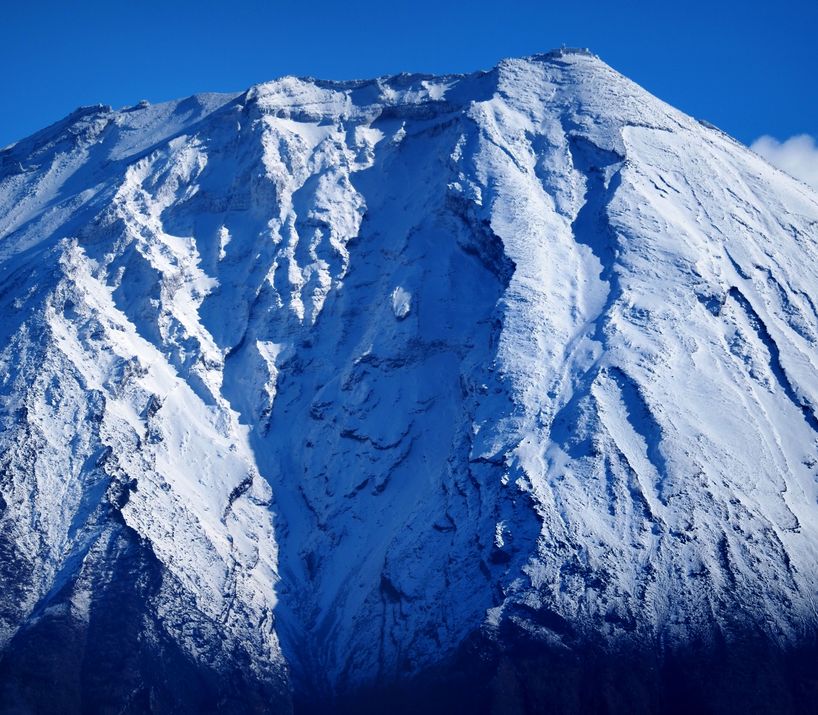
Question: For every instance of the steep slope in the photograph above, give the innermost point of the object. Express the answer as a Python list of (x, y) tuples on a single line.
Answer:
[(327, 387)]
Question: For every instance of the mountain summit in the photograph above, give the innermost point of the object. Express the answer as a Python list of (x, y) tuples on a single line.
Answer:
[(489, 392)]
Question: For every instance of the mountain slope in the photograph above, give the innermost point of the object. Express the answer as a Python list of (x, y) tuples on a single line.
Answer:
[(327, 386)]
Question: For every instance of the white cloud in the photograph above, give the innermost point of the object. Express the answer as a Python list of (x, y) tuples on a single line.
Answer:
[(798, 156)]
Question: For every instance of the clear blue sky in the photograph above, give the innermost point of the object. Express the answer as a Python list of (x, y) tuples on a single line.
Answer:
[(750, 67)]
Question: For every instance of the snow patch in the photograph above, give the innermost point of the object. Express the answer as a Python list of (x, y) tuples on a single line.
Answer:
[(401, 302)]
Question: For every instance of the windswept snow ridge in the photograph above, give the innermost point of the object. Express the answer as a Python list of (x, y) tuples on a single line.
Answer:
[(304, 389)]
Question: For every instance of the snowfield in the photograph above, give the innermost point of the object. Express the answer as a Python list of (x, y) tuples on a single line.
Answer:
[(304, 389)]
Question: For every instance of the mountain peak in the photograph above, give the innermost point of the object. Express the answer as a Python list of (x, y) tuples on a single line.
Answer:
[(328, 394)]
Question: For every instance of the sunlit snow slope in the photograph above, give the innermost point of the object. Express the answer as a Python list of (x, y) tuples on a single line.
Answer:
[(304, 389)]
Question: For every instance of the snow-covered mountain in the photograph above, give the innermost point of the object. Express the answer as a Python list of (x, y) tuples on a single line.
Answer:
[(494, 392)]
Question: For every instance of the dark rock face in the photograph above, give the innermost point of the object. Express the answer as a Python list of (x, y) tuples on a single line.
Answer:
[(744, 676), (119, 658)]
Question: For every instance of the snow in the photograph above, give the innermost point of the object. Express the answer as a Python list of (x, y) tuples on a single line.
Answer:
[(369, 364), (401, 302)]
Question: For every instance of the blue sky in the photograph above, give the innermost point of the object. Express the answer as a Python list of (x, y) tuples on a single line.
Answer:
[(748, 67)]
